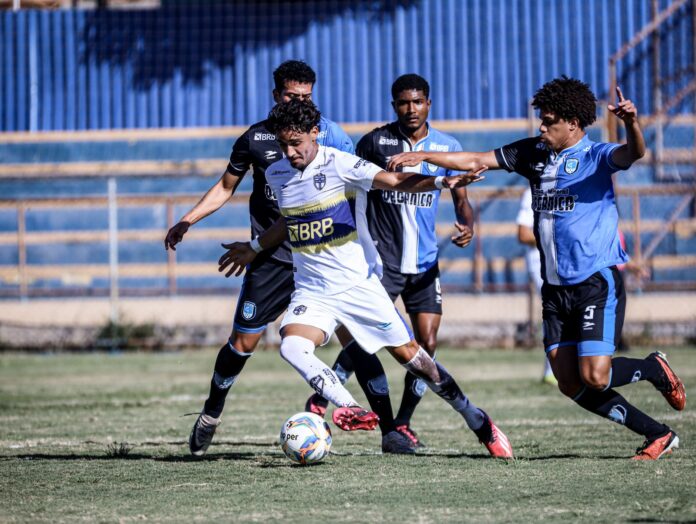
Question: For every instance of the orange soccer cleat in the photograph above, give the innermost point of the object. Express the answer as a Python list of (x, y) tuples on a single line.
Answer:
[(498, 445), (673, 388), (354, 417), (654, 449)]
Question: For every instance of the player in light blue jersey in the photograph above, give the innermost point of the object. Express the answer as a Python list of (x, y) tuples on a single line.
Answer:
[(576, 230)]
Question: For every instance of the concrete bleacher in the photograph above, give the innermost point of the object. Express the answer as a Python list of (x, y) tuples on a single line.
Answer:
[(65, 246)]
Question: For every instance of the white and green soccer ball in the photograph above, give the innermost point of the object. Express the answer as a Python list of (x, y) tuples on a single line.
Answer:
[(305, 438)]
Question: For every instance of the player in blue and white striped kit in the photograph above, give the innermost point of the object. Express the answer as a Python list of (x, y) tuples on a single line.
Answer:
[(576, 229)]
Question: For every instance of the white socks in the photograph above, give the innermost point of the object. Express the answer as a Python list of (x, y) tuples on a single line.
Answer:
[(299, 352)]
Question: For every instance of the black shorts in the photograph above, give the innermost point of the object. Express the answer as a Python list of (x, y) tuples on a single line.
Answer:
[(420, 292), (588, 315), (265, 294)]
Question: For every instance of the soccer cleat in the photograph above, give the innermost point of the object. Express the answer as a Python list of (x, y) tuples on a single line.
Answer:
[(354, 417), (497, 442), (672, 388), (317, 404), (411, 435), (549, 380), (654, 449), (202, 434), (397, 443)]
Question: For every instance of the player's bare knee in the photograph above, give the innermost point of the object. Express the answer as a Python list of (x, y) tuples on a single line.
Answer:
[(595, 379), (245, 342), (429, 343)]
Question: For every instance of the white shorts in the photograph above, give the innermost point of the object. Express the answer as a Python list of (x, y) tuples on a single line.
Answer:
[(365, 310)]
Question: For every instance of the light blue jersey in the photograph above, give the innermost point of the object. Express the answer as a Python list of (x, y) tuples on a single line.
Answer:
[(575, 216), (332, 135), (403, 224)]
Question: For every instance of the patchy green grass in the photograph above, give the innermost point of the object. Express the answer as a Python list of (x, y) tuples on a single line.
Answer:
[(102, 438)]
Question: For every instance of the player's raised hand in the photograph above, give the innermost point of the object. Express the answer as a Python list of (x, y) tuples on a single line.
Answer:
[(464, 236), (464, 179), (412, 158), (176, 235), (236, 258), (625, 109)]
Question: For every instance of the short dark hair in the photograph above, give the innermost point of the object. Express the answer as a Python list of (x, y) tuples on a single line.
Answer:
[(408, 82), (293, 71), (567, 98), (296, 115)]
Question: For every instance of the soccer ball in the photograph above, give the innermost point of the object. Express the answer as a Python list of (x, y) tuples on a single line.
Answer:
[(305, 438)]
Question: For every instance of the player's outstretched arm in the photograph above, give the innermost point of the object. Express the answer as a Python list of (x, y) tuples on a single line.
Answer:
[(240, 254), (416, 183), (634, 148), (456, 161), (213, 200), (465, 218)]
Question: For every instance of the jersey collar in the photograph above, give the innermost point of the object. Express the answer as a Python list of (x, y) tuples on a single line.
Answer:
[(413, 146), (578, 145), (319, 158)]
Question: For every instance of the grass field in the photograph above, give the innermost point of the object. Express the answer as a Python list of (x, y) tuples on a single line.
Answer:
[(65, 419)]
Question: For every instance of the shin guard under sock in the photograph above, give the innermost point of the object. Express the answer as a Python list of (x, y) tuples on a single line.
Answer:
[(442, 383), (609, 404), (373, 381), (228, 366), (299, 352), (627, 370), (414, 389)]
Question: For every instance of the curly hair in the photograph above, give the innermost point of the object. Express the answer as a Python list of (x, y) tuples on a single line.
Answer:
[(293, 71), (296, 115), (408, 82), (567, 98)]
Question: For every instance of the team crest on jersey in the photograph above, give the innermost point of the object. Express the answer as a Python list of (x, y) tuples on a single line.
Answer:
[(571, 165), (299, 310), (248, 310), (431, 167), (319, 181)]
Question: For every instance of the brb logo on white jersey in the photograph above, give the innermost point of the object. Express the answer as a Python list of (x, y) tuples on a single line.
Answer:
[(313, 230)]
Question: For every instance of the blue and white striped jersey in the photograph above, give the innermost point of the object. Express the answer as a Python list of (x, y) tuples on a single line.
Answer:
[(575, 216), (403, 224)]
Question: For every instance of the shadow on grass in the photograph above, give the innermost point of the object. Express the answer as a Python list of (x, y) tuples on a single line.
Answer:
[(211, 457), (648, 519), (574, 456)]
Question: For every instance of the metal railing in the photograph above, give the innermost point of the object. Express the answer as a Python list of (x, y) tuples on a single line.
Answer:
[(22, 274)]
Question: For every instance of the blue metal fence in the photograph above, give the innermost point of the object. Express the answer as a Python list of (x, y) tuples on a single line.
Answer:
[(183, 66)]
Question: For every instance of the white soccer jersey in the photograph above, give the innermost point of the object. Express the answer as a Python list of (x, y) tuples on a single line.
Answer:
[(525, 217), (324, 207)]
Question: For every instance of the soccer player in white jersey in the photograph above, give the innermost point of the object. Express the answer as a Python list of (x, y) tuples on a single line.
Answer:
[(576, 231), (268, 282), (322, 195)]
